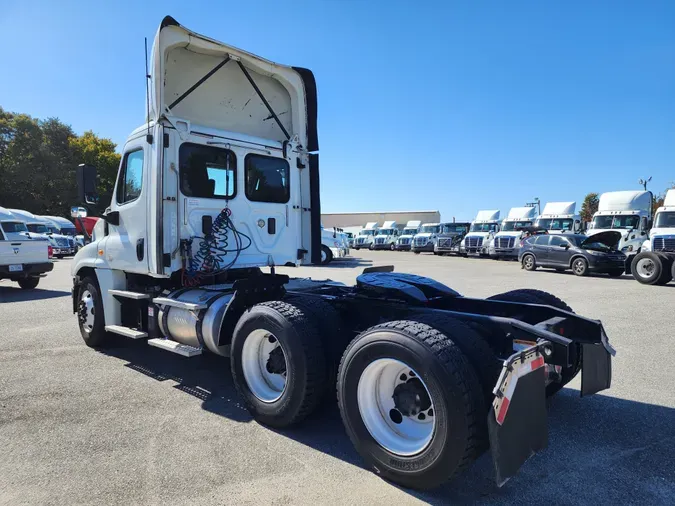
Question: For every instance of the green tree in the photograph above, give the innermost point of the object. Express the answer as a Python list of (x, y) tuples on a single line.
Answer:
[(589, 206)]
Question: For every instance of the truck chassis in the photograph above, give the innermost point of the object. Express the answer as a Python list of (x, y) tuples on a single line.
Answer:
[(427, 379)]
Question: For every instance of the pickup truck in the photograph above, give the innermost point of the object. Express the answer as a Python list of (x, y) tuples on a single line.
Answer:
[(24, 261)]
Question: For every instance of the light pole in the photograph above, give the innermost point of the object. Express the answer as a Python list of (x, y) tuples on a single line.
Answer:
[(644, 182), (535, 203)]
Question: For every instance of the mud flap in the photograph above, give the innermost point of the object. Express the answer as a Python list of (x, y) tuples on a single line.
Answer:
[(596, 368), (517, 421)]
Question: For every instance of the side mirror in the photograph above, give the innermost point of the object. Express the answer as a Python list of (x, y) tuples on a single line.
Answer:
[(112, 217), (86, 183)]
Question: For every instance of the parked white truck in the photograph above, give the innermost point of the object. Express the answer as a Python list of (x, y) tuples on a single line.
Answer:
[(560, 218), (386, 236), (450, 238), (41, 229), (334, 244), (216, 187), (507, 241), (655, 265), (629, 212), (404, 241), (22, 259), (479, 240), (65, 227), (425, 239), (366, 237)]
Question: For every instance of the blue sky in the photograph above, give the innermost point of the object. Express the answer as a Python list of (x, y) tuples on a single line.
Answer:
[(454, 105)]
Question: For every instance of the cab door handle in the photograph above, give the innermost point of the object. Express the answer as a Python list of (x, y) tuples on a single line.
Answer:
[(140, 249)]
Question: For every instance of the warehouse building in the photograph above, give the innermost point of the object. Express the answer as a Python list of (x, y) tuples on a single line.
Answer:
[(352, 222)]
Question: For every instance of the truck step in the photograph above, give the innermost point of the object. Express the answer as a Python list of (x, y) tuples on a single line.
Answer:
[(129, 295), (190, 306), (175, 347), (126, 331)]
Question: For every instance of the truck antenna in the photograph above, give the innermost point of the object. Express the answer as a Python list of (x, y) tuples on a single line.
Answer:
[(148, 137)]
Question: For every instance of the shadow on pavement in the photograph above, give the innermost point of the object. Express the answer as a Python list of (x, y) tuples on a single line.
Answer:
[(16, 294), (601, 450)]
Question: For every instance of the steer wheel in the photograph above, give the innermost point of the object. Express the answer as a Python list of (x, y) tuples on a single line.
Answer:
[(276, 363), (411, 398)]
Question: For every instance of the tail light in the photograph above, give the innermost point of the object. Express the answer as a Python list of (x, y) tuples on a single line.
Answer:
[(50, 251)]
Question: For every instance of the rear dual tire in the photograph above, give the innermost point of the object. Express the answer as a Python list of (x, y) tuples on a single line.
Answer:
[(411, 403)]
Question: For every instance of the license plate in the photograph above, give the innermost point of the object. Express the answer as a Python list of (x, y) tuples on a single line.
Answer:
[(16, 268)]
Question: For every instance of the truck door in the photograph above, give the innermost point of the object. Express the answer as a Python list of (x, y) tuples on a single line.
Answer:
[(126, 245)]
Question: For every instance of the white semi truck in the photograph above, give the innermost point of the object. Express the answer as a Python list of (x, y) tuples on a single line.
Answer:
[(479, 240), (450, 238), (404, 241), (62, 226), (507, 241), (212, 194), (366, 237), (628, 212), (40, 229), (560, 218), (386, 236), (425, 239), (655, 265)]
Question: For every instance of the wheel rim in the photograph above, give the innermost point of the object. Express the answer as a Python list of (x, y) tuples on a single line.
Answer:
[(86, 311), (529, 262), (264, 365), (323, 255), (579, 266), (645, 267), (396, 407)]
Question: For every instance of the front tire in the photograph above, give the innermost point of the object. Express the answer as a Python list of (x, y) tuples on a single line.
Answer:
[(28, 283), (648, 268), (326, 255), (278, 363), (580, 266), (392, 247), (90, 315), (411, 404)]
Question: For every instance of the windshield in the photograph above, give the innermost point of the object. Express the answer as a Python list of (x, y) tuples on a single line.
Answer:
[(14, 226), (484, 227), (556, 223), (367, 232), (409, 231), (452, 228), (385, 231), (510, 226), (38, 228), (430, 229), (625, 221), (665, 219), (69, 231), (53, 229)]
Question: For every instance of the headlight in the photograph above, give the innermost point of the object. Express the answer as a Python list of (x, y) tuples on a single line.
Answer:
[(595, 253), (627, 248)]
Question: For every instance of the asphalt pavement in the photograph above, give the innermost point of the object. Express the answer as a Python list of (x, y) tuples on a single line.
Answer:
[(138, 425)]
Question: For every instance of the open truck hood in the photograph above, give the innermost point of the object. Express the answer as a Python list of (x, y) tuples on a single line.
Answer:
[(610, 238), (225, 97)]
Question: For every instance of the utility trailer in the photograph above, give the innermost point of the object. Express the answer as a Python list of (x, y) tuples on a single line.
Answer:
[(426, 379)]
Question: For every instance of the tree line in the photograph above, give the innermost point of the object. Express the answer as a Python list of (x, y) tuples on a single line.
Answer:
[(38, 159)]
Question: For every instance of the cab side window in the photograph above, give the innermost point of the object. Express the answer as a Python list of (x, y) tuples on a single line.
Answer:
[(130, 182), (267, 179)]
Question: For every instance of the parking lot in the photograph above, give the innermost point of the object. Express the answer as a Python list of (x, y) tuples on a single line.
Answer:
[(138, 425)]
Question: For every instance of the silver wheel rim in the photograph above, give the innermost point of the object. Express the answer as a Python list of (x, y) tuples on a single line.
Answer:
[(396, 432), (579, 266), (86, 311), (323, 255), (645, 267), (529, 262), (260, 362)]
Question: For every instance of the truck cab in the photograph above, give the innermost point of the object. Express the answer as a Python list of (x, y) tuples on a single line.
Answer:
[(12, 227), (366, 236), (334, 244), (628, 212), (662, 235), (386, 236), (507, 240), (425, 239), (560, 218), (64, 227), (479, 240), (405, 239), (450, 237)]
